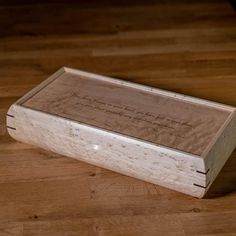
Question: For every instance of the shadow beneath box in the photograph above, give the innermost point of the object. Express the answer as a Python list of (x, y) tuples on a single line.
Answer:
[(225, 183)]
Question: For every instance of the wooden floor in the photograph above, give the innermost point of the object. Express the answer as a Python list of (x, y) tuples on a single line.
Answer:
[(183, 46)]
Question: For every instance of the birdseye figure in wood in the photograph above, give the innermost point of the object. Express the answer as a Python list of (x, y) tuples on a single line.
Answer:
[(176, 141)]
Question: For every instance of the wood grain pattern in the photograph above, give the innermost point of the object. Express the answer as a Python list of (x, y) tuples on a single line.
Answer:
[(182, 46), (136, 130), (156, 118)]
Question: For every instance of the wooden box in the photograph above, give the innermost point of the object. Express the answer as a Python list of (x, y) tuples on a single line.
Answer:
[(165, 138)]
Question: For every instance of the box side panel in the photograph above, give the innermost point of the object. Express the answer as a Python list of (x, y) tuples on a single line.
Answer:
[(221, 150), (155, 164)]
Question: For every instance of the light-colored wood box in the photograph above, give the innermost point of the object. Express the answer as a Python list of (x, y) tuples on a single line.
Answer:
[(165, 138)]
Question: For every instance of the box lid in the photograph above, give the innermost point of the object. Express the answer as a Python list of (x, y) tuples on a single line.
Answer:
[(163, 118)]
